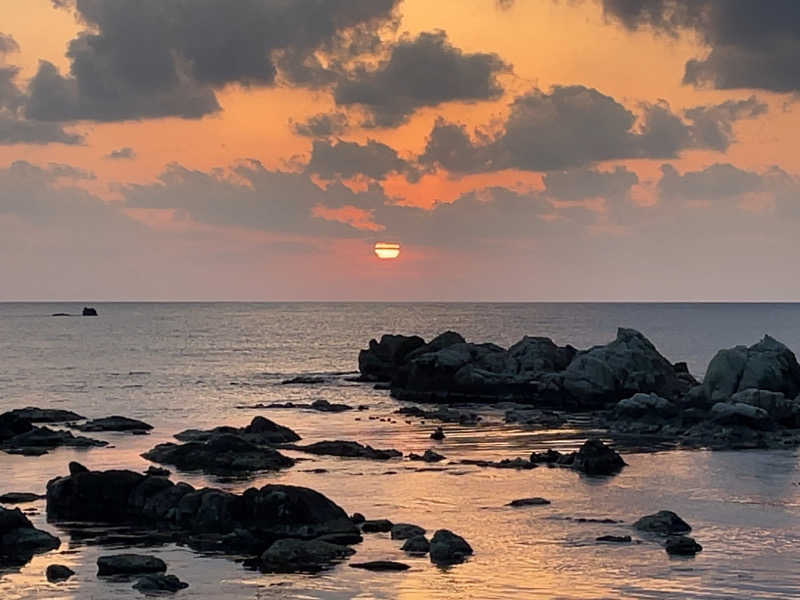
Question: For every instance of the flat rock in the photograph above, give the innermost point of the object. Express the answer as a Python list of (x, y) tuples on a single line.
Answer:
[(535, 501), (20, 497), (616, 539), (404, 531), (305, 380), (429, 456), (260, 431), (129, 564), (682, 545), (663, 522), (159, 584), (418, 544), (58, 573), (381, 565), (294, 555), (44, 437), (377, 526), (347, 449), (43, 415), (114, 423)]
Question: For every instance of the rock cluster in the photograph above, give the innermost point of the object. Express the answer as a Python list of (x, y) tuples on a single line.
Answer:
[(20, 540)]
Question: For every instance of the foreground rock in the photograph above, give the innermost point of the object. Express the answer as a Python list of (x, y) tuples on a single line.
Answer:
[(237, 523), (115, 423), (159, 584), (307, 556), (56, 573), (347, 449), (260, 431), (20, 540), (220, 455), (381, 565), (129, 564), (447, 548), (664, 522)]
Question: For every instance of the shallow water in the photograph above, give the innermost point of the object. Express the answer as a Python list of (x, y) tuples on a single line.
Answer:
[(179, 366)]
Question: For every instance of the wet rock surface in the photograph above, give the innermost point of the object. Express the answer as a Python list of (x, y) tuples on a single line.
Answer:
[(114, 423), (418, 544), (157, 584), (347, 449), (664, 522), (260, 431), (295, 555), (129, 564), (682, 545), (58, 573), (20, 540), (448, 548), (381, 565)]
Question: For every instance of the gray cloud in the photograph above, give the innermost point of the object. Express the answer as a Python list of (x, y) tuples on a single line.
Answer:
[(753, 44), (125, 153), (579, 184), (348, 159), (7, 44), (575, 126), (321, 125), (155, 58), (420, 72)]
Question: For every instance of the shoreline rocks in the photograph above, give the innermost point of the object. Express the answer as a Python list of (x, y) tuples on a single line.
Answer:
[(261, 431), (447, 548), (20, 540), (347, 449), (129, 564), (114, 423)]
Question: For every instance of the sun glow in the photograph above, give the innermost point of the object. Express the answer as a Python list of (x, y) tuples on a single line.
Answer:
[(385, 250)]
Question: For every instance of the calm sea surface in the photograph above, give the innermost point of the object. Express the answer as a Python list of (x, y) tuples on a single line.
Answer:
[(189, 365)]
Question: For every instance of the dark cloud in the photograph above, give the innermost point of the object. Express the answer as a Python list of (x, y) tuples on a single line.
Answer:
[(718, 182), (342, 159), (154, 58), (125, 153), (321, 125), (7, 44), (420, 72), (579, 184), (575, 126), (753, 44)]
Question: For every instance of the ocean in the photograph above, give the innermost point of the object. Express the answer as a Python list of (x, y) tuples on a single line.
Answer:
[(190, 365)]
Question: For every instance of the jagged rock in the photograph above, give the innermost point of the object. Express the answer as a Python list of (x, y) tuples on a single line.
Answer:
[(58, 573), (418, 544), (377, 526), (221, 454), (642, 406), (115, 423), (447, 548), (428, 456), (33, 414), (767, 365), (381, 360), (259, 431), (129, 564), (535, 501), (381, 565), (19, 497), (595, 458), (664, 522), (737, 413), (294, 555), (159, 584), (348, 449), (533, 356), (616, 539), (506, 463), (404, 531), (682, 545), (549, 457)]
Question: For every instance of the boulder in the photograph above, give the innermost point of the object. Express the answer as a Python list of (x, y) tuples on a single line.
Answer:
[(159, 584), (438, 434), (404, 531), (377, 526), (88, 311), (33, 414), (740, 414), (56, 573), (595, 458), (626, 366), (44, 437), (428, 456), (767, 365), (306, 556), (664, 522), (260, 431), (129, 564), (348, 449), (114, 423), (381, 360), (440, 342), (381, 565), (532, 356), (20, 540), (682, 545), (19, 497), (645, 406), (418, 544), (219, 455), (535, 501), (447, 548), (615, 539), (783, 410)]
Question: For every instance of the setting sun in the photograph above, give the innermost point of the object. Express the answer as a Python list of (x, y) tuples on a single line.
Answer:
[(385, 250)]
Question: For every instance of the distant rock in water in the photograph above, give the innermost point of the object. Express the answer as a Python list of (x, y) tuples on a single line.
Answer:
[(129, 564), (20, 540), (348, 449), (305, 380), (664, 522), (381, 565), (260, 431), (447, 548), (61, 315), (88, 311), (157, 584), (115, 423), (19, 497), (56, 573), (42, 415), (682, 545)]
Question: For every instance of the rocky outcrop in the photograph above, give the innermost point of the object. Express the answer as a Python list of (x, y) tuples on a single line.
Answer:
[(220, 455), (682, 545), (37, 440), (347, 449), (33, 414), (447, 548), (20, 540), (381, 360), (307, 556), (260, 431)]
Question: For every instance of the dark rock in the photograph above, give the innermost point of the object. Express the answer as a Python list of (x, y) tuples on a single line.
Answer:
[(221, 454), (550, 456), (342, 539), (416, 545), (157, 471), (347, 449), (404, 531), (129, 564), (738, 413), (294, 555), (438, 434), (325, 406), (784, 411), (304, 380), (428, 456), (664, 522), (506, 463), (382, 359), (61, 314), (42, 415), (381, 565), (377, 526), (260, 431), (27, 451), (115, 423), (682, 545), (447, 548), (616, 539), (19, 497), (44, 437), (642, 406), (20, 540), (58, 573), (535, 501), (542, 418), (595, 458), (357, 518), (443, 413), (159, 584), (76, 467), (88, 311)]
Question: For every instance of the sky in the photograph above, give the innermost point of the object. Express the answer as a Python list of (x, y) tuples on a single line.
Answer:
[(517, 150)]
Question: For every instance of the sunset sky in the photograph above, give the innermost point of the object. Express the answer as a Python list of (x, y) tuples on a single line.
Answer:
[(516, 150)]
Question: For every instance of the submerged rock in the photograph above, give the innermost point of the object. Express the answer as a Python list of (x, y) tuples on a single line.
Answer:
[(447, 548), (159, 584), (58, 573), (306, 556), (535, 501), (506, 463), (115, 423), (443, 413), (19, 497), (595, 458), (616, 539), (682, 545), (664, 522), (381, 565), (428, 456), (129, 564), (438, 434), (44, 437), (348, 449)]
